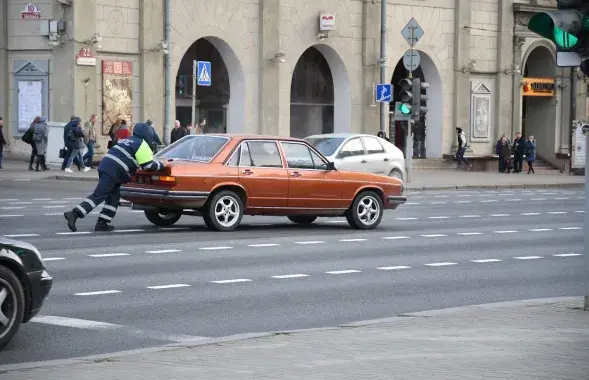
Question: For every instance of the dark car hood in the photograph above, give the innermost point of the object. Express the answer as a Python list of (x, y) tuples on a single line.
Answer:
[(16, 243)]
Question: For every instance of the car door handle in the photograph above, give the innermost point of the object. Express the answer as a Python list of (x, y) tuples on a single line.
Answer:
[(295, 174), (386, 159), (247, 172), (363, 161)]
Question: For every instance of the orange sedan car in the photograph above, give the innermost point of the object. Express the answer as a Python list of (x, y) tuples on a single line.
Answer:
[(222, 177)]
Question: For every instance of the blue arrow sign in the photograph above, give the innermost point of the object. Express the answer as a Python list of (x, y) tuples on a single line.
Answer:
[(384, 93), (203, 73)]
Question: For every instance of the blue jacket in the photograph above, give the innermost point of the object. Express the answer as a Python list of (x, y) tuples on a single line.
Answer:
[(122, 160), (530, 151)]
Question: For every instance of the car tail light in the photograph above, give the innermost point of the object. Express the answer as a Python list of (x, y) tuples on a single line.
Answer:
[(163, 180)]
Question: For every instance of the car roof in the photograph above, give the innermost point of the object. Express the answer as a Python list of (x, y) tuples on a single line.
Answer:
[(240, 136), (341, 135)]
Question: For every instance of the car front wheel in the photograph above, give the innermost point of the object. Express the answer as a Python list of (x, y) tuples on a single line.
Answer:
[(163, 218), (301, 219), (366, 211), (12, 305), (224, 211)]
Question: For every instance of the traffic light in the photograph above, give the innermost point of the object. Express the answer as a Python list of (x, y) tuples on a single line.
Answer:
[(406, 96), (419, 105), (565, 26), (182, 85)]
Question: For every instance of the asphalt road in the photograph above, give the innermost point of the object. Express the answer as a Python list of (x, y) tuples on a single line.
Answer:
[(145, 286)]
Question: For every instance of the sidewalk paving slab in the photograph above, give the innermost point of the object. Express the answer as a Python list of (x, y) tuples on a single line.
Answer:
[(535, 339), (422, 180)]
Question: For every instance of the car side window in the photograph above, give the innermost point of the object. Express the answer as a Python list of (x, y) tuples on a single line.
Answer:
[(261, 154), (352, 148), (298, 156), (234, 160), (373, 146), (318, 162)]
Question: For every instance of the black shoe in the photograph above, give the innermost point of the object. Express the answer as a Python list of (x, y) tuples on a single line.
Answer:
[(102, 226), (71, 218)]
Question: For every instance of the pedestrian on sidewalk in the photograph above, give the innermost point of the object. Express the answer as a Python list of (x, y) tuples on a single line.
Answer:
[(66, 133), (41, 139), (519, 147), (462, 144), (113, 131), (75, 144), (383, 136), (116, 168), (90, 140), (28, 138), (531, 153), (503, 150), (123, 132), (178, 132), (2, 142)]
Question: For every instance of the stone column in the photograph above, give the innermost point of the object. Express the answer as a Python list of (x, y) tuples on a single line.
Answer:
[(461, 63), (370, 56), (516, 109), (504, 85), (270, 97), (4, 88), (151, 70)]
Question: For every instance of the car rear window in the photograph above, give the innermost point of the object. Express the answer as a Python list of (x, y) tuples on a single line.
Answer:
[(200, 148), (326, 145)]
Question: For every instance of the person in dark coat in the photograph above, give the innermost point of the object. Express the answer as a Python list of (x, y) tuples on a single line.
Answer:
[(116, 168), (74, 144), (34, 153), (531, 153), (66, 132), (519, 148), (503, 150), (2, 142), (41, 139)]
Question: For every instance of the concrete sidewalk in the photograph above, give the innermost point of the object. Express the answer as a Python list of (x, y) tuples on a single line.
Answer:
[(422, 180), (535, 339)]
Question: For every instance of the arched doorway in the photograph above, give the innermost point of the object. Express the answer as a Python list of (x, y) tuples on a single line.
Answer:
[(311, 96), (539, 112), (428, 132), (223, 103)]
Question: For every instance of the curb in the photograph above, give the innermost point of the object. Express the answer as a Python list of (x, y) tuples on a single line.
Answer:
[(60, 177), (240, 337)]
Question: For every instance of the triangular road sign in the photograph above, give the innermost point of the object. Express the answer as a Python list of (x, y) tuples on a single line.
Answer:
[(204, 75)]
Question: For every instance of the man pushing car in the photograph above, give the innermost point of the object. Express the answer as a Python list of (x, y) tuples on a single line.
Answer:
[(116, 168)]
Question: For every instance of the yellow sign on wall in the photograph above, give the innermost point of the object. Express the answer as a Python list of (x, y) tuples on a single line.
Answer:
[(538, 87)]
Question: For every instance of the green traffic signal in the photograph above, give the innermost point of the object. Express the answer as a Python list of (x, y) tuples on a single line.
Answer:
[(564, 39), (563, 27), (405, 109)]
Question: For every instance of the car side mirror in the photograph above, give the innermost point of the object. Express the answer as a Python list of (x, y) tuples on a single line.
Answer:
[(331, 166)]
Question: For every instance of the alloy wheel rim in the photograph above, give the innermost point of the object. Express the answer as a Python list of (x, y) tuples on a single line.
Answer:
[(226, 211), (7, 307), (368, 210)]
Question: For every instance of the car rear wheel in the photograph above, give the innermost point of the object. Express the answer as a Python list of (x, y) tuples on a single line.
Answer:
[(12, 305), (302, 219), (366, 211), (163, 218), (396, 173), (224, 211)]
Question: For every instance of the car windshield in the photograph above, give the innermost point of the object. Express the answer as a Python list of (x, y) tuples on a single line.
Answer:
[(194, 147), (326, 145)]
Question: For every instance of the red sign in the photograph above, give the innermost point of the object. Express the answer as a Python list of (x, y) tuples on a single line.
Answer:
[(86, 57), (117, 68), (31, 12)]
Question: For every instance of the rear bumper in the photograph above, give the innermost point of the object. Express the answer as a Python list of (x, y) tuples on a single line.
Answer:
[(137, 192), (40, 284)]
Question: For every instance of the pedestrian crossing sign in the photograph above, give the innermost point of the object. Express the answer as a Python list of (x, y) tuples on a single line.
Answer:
[(204, 73)]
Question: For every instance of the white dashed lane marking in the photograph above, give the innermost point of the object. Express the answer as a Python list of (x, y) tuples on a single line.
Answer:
[(438, 217), (343, 271), (20, 235), (73, 322), (109, 255), (433, 235), (128, 231), (232, 281), (11, 216), (214, 248), (530, 213), (568, 254), (527, 257), (406, 218), (53, 258), (285, 276), (486, 261), (263, 245), (395, 237), (540, 229), (470, 216), (505, 232), (171, 286), (74, 233), (443, 264), (499, 215), (470, 233), (98, 293), (310, 242), (570, 228), (352, 240), (164, 251), (394, 268)]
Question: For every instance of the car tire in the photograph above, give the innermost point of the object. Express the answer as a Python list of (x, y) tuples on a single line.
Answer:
[(163, 219), (208, 222), (224, 211), (366, 211), (396, 173), (302, 219), (12, 304)]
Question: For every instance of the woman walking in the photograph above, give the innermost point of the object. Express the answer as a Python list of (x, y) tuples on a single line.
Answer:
[(40, 139), (531, 153), (34, 153)]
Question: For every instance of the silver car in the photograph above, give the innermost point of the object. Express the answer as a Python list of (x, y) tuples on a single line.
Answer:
[(361, 153)]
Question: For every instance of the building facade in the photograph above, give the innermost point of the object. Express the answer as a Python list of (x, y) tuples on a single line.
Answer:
[(273, 71)]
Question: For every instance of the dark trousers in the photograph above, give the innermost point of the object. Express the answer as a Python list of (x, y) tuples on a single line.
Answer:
[(531, 167), (502, 165), (88, 156), (108, 190), (518, 162), (33, 155), (67, 157), (460, 156)]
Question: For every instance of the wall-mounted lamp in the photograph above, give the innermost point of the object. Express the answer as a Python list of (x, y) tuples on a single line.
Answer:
[(322, 36), (279, 57)]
